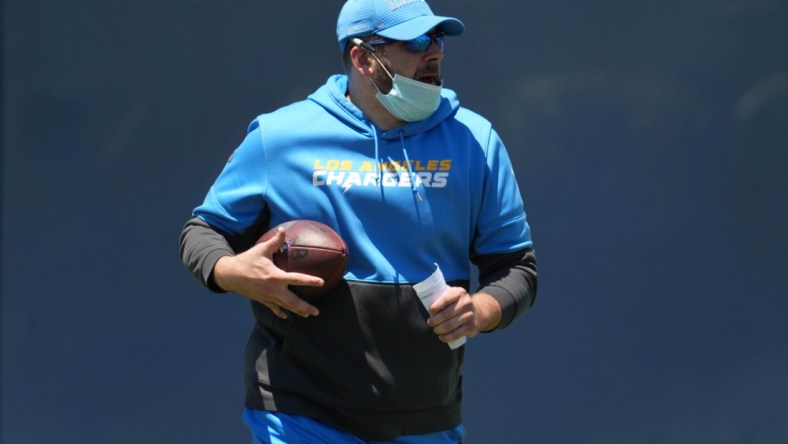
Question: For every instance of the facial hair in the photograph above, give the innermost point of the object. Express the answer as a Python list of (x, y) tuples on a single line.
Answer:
[(381, 79), (430, 71)]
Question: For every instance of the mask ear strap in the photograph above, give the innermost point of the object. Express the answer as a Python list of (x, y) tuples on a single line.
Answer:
[(383, 66), (371, 50)]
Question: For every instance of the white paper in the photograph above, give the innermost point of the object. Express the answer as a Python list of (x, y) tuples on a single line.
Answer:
[(428, 292)]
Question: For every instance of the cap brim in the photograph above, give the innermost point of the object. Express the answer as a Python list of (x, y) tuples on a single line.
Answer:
[(419, 25)]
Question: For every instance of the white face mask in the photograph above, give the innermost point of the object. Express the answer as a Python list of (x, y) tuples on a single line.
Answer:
[(409, 100)]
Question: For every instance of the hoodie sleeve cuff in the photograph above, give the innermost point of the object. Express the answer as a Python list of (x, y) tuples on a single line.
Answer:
[(508, 304), (207, 268)]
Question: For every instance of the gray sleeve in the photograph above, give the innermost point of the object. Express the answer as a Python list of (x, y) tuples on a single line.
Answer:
[(201, 247), (511, 279)]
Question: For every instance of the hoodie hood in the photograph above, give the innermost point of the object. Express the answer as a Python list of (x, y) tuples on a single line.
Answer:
[(333, 97)]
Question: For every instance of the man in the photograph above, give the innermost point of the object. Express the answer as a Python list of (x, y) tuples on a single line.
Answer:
[(410, 180)]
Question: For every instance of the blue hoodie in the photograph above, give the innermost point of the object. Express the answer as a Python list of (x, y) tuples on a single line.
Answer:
[(424, 193), (437, 191)]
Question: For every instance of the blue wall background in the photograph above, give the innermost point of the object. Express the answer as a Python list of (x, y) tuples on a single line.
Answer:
[(650, 141)]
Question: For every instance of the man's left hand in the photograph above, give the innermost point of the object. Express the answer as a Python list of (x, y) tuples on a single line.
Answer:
[(456, 314)]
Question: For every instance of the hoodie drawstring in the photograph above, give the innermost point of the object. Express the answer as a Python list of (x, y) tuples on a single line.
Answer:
[(407, 163), (379, 179), (379, 164)]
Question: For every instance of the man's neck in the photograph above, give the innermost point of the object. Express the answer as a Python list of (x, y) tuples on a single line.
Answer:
[(365, 100)]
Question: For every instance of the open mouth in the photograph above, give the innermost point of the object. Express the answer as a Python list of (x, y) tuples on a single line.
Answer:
[(430, 79)]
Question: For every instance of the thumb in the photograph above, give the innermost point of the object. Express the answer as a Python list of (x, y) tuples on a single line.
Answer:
[(271, 243)]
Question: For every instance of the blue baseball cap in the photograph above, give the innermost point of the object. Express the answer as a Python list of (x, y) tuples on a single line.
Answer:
[(392, 19)]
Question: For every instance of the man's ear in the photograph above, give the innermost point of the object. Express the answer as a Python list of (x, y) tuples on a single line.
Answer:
[(362, 61)]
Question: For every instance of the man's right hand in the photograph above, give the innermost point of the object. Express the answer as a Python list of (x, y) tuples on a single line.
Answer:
[(253, 274)]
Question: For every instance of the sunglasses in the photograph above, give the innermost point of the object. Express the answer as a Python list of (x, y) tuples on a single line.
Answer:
[(419, 44)]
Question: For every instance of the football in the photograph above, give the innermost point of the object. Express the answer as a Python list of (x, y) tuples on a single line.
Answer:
[(311, 248)]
